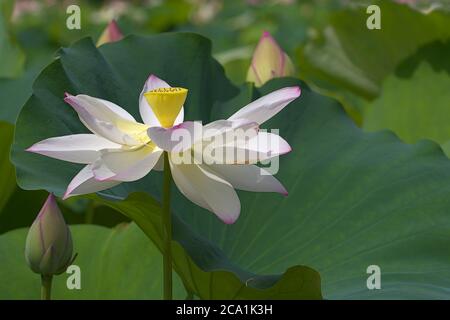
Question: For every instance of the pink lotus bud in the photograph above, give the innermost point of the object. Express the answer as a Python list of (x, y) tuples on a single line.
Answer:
[(111, 33), (269, 61), (48, 249)]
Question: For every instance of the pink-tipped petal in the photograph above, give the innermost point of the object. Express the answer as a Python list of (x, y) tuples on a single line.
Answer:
[(128, 165), (102, 109), (267, 106), (269, 145), (206, 189), (77, 148), (106, 119), (262, 147), (230, 127), (249, 178), (85, 183)]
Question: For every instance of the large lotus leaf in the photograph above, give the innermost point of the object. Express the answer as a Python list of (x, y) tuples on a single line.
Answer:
[(117, 263), (347, 55), (355, 199), (205, 269), (415, 102), (116, 72), (15, 92)]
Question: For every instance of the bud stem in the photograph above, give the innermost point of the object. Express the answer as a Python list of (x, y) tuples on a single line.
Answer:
[(46, 287), (167, 223)]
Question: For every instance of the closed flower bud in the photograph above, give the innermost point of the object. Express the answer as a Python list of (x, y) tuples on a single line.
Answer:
[(111, 33), (269, 61), (48, 249)]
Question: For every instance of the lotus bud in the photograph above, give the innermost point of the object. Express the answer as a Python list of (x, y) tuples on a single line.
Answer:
[(269, 61), (48, 249), (111, 33)]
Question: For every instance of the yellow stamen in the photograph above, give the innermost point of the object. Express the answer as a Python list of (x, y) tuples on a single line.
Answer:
[(166, 103)]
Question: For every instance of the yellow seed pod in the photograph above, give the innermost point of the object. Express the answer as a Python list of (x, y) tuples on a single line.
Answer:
[(166, 103)]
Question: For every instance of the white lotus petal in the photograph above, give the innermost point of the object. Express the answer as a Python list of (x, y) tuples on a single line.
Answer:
[(149, 118), (177, 138), (107, 120), (117, 110), (249, 178), (267, 106), (206, 189), (268, 145), (77, 148), (129, 165), (99, 111), (255, 149), (222, 127), (185, 186), (85, 183), (180, 117)]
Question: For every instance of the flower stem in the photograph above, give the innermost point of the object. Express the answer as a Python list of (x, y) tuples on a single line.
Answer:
[(167, 223), (46, 287), (89, 219), (189, 295)]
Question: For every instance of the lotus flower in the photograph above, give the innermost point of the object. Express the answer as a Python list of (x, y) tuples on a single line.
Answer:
[(111, 33), (117, 150), (269, 61), (48, 248), (121, 149), (211, 184)]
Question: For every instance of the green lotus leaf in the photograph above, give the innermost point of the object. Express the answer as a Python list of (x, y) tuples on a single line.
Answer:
[(415, 101)]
